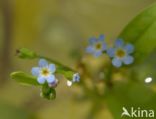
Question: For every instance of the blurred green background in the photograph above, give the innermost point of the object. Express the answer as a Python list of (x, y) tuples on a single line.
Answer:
[(54, 28)]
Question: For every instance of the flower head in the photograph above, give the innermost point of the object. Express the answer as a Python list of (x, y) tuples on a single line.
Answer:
[(76, 78), (121, 53), (96, 46), (45, 72)]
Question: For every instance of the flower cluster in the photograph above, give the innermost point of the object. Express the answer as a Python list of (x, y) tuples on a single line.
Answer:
[(45, 73), (120, 53)]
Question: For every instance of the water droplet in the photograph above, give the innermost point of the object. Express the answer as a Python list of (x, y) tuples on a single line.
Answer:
[(148, 80), (69, 83)]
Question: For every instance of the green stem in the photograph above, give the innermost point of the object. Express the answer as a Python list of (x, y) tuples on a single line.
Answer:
[(109, 78), (57, 63), (25, 53)]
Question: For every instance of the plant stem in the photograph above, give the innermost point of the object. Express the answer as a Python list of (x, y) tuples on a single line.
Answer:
[(109, 77), (57, 63)]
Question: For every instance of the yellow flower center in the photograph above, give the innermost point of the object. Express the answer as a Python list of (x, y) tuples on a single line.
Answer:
[(120, 53), (45, 72), (98, 46)]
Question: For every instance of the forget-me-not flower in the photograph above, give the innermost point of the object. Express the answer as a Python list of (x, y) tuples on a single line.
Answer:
[(45, 72), (76, 78), (121, 53), (96, 46)]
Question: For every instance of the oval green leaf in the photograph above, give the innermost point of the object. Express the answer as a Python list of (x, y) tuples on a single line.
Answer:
[(24, 78), (141, 32)]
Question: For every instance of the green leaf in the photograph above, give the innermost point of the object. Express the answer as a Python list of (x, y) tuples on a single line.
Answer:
[(25, 79), (48, 92), (25, 53), (130, 95), (141, 32)]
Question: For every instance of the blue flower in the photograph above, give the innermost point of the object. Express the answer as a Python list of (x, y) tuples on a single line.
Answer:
[(121, 53), (45, 72), (96, 46), (76, 78)]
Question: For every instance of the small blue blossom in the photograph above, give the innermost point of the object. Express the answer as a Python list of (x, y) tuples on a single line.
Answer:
[(45, 72), (76, 78), (96, 46), (121, 53)]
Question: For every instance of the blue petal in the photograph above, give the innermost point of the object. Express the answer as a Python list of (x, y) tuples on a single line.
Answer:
[(111, 52), (129, 48), (97, 53), (119, 43), (104, 46), (35, 71), (51, 79), (116, 62), (128, 60), (101, 38), (90, 49), (92, 40), (43, 63), (52, 68), (41, 80)]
